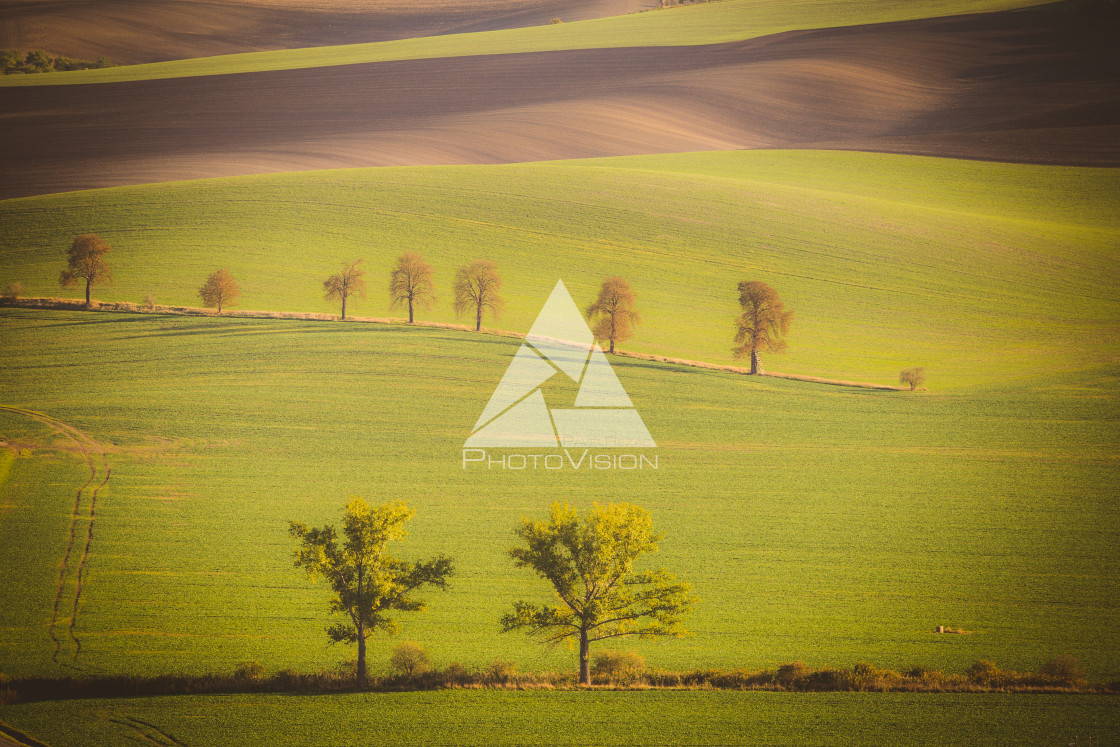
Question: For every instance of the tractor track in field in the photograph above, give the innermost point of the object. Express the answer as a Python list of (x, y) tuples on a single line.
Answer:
[(148, 731), (94, 455)]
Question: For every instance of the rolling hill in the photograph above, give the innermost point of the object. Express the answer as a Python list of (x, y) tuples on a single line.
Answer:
[(130, 33), (1012, 86)]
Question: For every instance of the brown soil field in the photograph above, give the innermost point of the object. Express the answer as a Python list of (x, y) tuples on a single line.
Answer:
[(1016, 86), (129, 32)]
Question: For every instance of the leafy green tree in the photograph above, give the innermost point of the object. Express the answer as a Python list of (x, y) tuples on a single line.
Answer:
[(476, 289), (38, 61), (220, 289), (411, 283), (763, 324), (369, 583), (85, 260), (613, 312), (590, 565), (10, 61), (345, 284)]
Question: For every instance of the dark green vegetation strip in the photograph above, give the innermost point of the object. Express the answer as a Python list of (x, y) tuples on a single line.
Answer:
[(581, 718)]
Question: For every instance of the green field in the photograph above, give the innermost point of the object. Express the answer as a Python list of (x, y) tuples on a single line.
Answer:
[(623, 718), (828, 524), (818, 523), (980, 272), (708, 23)]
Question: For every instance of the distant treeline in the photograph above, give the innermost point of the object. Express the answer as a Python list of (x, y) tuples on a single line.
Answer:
[(38, 61)]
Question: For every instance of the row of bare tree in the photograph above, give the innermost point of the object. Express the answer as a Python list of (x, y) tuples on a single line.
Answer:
[(762, 326)]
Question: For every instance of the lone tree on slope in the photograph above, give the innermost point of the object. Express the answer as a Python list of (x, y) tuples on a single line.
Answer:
[(763, 324), (912, 377), (369, 584), (220, 289), (476, 288), (85, 260), (614, 309), (411, 283), (590, 565), (345, 284)]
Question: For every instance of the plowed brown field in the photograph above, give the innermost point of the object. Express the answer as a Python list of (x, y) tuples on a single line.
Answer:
[(1009, 86), (135, 31)]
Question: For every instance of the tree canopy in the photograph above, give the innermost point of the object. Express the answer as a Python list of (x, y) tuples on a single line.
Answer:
[(219, 290), (590, 565), (345, 284), (476, 289), (410, 283), (369, 583), (763, 324), (612, 313), (85, 260)]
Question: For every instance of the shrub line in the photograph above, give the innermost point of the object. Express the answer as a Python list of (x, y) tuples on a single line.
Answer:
[(982, 677)]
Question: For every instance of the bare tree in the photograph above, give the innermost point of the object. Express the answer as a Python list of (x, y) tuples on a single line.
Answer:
[(615, 311), (220, 290), (763, 324), (476, 288), (411, 283), (85, 260), (912, 377), (345, 284)]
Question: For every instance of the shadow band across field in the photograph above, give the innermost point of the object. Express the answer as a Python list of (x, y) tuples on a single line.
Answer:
[(1023, 86)]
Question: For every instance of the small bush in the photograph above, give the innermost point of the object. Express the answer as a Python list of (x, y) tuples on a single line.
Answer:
[(455, 674), (556, 19), (501, 671), (149, 302), (410, 659), (789, 674), (12, 292), (617, 663), (249, 670), (1065, 669)]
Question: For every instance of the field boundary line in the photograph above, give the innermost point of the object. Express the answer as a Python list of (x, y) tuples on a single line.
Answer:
[(125, 307)]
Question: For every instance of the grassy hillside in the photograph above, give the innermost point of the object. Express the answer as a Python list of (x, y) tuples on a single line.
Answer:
[(818, 523), (980, 272), (511, 718), (709, 23)]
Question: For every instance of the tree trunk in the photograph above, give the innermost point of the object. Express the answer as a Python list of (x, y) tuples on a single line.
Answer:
[(87, 292), (756, 364), (584, 659), (344, 308), (478, 319), (361, 657), (612, 346), (410, 309)]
